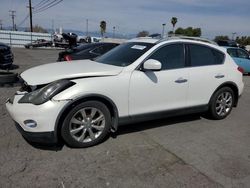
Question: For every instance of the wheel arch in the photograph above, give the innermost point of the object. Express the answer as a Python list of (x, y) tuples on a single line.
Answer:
[(96, 97), (231, 85)]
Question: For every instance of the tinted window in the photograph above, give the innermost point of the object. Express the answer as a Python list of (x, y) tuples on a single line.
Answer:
[(99, 50), (232, 52), (202, 56), (243, 54), (171, 56), (124, 54), (103, 49), (84, 47)]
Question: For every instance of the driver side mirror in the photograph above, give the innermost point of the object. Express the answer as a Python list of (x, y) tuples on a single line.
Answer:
[(152, 65)]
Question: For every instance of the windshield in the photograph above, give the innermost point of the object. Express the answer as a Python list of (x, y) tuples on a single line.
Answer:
[(124, 54)]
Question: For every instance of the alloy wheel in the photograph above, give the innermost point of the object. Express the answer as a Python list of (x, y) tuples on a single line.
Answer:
[(224, 103), (87, 124)]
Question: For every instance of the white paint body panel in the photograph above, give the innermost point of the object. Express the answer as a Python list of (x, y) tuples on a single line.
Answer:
[(157, 91), (47, 73)]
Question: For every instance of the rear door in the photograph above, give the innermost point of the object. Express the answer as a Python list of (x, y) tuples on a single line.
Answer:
[(206, 73)]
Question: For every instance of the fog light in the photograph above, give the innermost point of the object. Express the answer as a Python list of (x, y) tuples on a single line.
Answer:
[(30, 123)]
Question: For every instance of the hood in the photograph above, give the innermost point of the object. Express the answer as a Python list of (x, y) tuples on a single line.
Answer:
[(47, 73)]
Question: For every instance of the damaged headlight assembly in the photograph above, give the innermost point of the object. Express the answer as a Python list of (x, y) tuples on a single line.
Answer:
[(46, 93)]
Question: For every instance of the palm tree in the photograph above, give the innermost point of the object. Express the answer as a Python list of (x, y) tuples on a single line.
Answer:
[(174, 21), (103, 27)]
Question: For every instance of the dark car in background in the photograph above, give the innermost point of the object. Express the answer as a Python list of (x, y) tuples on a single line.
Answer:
[(86, 51), (6, 56), (230, 43), (241, 58), (39, 43)]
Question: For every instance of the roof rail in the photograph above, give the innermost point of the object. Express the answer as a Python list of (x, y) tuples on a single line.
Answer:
[(188, 38)]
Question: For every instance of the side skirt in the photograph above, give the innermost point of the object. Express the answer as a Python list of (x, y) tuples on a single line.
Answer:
[(161, 114)]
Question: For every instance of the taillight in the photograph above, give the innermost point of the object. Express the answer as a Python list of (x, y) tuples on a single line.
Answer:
[(68, 58), (240, 69)]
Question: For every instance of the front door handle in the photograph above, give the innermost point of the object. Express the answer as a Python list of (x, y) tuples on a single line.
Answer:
[(219, 76), (181, 80)]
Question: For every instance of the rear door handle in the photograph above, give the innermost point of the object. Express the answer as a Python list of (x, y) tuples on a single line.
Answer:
[(219, 76), (181, 80)]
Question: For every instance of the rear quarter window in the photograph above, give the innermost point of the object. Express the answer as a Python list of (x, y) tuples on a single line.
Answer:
[(232, 52), (203, 55)]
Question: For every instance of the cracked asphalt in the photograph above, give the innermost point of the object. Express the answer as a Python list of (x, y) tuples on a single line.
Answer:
[(185, 151)]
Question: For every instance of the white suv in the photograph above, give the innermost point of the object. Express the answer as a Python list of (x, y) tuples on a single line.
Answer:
[(142, 79)]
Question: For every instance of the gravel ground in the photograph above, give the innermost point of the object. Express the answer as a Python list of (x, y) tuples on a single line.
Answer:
[(186, 151)]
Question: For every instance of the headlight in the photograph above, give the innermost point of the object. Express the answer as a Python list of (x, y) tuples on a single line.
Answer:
[(46, 93)]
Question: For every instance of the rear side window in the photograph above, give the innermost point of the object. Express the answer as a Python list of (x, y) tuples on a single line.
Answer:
[(243, 54), (171, 56), (232, 52), (203, 56)]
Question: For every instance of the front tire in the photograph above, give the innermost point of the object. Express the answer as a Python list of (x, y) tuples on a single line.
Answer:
[(87, 124), (221, 103)]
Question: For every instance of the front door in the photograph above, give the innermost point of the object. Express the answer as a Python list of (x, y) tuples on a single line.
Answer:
[(158, 91)]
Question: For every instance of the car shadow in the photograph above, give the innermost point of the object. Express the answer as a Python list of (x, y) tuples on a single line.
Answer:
[(127, 129), (49, 147), (137, 127)]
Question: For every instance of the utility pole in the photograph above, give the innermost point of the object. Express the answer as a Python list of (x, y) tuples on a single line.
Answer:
[(233, 34), (30, 10), (52, 26), (114, 32), (1, 25), (12, 15), (163, 30), (87, 27)]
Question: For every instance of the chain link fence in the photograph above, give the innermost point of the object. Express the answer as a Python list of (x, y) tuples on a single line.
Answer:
[(20, 38)]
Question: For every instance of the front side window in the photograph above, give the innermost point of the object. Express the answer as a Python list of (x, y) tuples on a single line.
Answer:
[(203, 56), (242, 54), (125, 54), (170, 56)]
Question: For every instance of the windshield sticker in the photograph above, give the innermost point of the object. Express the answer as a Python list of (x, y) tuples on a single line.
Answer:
[(138, 47)]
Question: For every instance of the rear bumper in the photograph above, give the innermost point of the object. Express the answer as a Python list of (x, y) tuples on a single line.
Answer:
[(38, 137)]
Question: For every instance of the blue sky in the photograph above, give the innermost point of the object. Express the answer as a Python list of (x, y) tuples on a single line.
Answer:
[(215, 17)]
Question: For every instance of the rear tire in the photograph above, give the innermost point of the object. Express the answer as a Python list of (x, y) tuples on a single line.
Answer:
[(87, 124), (221, 103)]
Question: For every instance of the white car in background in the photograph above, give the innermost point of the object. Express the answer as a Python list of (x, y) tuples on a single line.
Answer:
[(142, 79)]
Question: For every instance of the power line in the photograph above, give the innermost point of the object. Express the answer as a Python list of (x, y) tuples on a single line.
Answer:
[(52, 4), (22, 22), (41, 3), (49, 5)]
